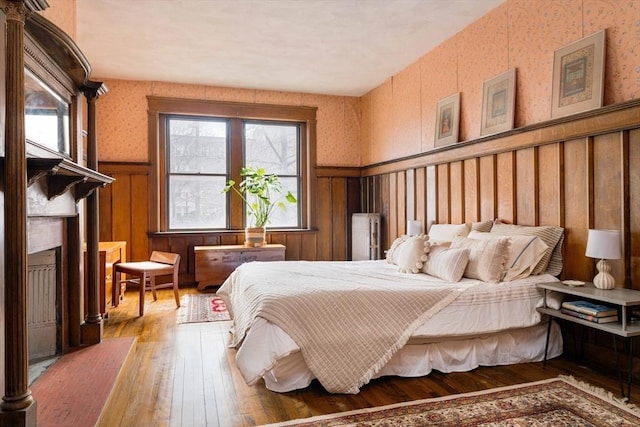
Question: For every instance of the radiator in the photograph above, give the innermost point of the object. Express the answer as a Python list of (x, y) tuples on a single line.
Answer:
[(42, 312), (365, 236)]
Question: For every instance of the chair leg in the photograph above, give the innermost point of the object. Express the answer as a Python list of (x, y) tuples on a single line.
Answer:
[(116, 282), (152, 285), (176, 292), (143, 280)]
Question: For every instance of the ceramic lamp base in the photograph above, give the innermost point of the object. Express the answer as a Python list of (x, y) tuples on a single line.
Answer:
[(603, 280)]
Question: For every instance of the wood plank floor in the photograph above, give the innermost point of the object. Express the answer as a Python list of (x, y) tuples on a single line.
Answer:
[(185, 375)]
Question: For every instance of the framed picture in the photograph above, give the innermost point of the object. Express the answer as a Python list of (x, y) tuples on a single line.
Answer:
[(447, 120), (578, 76), (498, 103)]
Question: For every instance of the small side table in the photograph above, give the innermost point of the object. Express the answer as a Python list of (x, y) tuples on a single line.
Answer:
[(623, 298)]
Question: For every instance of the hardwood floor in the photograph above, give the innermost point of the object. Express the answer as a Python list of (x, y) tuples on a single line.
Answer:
[(184, 375)]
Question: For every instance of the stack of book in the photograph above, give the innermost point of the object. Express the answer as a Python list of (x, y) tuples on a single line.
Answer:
[(598, 313)]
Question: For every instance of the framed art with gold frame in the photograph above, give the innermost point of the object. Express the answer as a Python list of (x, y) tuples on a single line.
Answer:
[(578, 76), (447, 120), (498, 103)]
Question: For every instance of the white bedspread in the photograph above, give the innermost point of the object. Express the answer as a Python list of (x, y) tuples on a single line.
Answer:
[(480, 308), (347, 320)]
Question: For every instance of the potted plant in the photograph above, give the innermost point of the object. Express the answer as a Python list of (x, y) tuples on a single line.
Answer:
[(262, 193)]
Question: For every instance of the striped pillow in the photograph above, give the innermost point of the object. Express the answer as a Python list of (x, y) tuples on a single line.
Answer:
[(551, 262), (525, 252), (446, 263), (481, 226), (487, 260)]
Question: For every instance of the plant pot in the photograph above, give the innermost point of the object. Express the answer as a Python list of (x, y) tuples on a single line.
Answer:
[(255, 236)]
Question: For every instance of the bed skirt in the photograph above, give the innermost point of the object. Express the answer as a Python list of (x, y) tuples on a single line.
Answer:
[(283, 368)]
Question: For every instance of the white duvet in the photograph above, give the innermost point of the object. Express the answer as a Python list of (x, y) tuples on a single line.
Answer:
[(488, 324)]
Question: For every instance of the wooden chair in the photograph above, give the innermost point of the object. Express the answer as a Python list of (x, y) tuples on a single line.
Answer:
[(160, 264)]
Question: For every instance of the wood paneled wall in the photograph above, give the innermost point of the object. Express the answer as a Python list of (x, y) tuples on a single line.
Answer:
[(579, 172), (124, 215)]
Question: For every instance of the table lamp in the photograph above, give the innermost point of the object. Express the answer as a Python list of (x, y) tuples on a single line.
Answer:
[(603, 245), (414, 227)]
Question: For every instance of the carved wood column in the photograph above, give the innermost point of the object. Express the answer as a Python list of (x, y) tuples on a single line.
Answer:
[(18, 406), (91, 332)]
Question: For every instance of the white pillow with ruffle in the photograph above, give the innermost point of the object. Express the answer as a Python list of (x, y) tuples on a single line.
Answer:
[(411, 255)]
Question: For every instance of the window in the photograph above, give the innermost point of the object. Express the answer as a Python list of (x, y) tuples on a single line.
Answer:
[(274, 147), (197, 165), (200, 149)]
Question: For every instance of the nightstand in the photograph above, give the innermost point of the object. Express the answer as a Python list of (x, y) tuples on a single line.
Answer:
[(624, 299)]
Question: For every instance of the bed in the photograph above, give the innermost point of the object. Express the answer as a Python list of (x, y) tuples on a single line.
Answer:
[(347, 322)]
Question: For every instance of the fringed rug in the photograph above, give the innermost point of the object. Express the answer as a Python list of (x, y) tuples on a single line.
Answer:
[(201, 308), (73, 391), (561, 401)]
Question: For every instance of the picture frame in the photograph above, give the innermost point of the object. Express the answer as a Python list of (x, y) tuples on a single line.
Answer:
[(498, 103), (578, 76), (447, 120)]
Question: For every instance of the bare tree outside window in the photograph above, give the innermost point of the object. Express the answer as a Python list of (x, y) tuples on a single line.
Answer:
[(199, 164), (275, 147)]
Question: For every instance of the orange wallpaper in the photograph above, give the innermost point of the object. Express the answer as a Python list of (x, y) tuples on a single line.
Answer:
[(397, 118), (521, 34), (63, 14), (122, 118)]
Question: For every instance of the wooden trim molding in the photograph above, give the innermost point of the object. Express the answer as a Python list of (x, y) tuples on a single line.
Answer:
[(337, 171)]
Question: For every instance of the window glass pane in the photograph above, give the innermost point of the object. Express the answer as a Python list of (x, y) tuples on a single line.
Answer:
[(272, 146), (289, 216), (197, 202), (46, 120), (197, 146)]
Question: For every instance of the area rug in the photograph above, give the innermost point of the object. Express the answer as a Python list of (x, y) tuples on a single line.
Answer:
[(561, 401), (201, 308), (73, 391)]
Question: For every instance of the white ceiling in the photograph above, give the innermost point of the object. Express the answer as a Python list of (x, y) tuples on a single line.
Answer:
[(335, 47)]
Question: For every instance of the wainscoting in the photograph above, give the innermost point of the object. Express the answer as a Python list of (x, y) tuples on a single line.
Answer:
[(125, 216), (578, 172)]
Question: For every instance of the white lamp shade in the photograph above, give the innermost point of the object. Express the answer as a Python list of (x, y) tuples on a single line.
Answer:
[(604, 244), (414, 227)]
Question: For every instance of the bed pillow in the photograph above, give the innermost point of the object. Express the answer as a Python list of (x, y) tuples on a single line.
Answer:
[(523, 255), (394, 246), (487, 259), (446, 263), (553, 237), (439, 233), (482, 226), (412, 253)]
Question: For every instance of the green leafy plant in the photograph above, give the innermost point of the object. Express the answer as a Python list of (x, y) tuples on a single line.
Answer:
[(261, 192)]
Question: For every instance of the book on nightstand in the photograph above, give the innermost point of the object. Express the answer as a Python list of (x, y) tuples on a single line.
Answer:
[(590, 308), (595, 319)]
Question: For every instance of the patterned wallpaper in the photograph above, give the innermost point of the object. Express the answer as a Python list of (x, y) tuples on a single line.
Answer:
[(397, 118), (521, 34), (122, 118)]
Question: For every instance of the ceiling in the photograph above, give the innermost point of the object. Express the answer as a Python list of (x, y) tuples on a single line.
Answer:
[(334, 47)]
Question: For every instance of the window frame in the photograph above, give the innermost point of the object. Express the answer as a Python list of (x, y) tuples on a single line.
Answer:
[(160, 108)]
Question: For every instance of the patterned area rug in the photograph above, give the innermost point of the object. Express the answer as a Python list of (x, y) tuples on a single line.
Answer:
[(559, 401), (201, 308)]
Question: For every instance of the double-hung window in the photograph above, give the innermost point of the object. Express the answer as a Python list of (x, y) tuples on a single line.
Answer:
[(203, 153)]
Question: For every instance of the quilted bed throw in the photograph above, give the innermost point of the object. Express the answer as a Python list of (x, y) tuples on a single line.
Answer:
[(347, 323)]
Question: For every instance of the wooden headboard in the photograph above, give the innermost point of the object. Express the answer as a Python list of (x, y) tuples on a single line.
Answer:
[(577, 172)]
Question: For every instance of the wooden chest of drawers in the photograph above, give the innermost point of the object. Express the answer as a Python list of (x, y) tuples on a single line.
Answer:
[(215, 263)]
